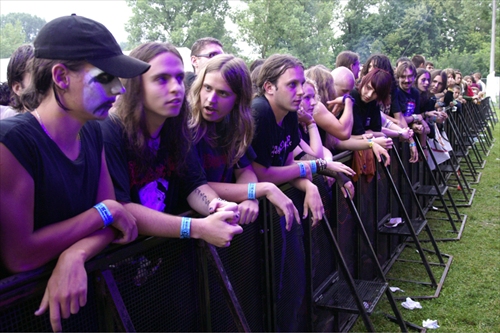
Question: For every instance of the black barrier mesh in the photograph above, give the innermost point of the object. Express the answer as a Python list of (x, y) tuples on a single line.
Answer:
[(243, 265), (367, 209), (18, 315), (323, 258), (160, 287), (289, 270), (384, 207), (347, 236)]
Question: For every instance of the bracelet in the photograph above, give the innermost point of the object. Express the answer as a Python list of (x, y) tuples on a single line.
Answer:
[(313, 124), (415, 117), (347, 96), (314, 167), (388, 123), (412, 144), (106, 216), (251, 191), (370, 143), (185, 227), (302, 169), (321, 163)]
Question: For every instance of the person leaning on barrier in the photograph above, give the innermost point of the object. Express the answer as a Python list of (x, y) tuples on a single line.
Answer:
[(390, 127), (57, 199), (311, 146), (374, 89), (276, 136), (332, 94), (151, 164), (405, 107), (222, 128)]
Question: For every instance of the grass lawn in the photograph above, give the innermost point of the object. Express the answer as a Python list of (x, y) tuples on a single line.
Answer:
[(470, 298)]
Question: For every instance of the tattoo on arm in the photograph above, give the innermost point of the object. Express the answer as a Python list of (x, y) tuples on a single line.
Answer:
[(203, 196)]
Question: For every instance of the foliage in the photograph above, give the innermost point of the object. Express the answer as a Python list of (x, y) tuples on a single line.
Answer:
[(11, 37), (437, 29), (178, 22), (17, 29), (301, 28), (30, 24)]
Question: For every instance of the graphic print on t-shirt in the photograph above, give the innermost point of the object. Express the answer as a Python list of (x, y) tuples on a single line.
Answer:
[(278, 150), (410, 108), (153, 195)]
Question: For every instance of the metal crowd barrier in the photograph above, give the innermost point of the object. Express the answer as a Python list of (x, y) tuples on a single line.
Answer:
[(263, 282)]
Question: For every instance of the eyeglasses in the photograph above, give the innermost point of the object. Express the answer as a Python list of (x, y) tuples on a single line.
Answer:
[(207, 55)]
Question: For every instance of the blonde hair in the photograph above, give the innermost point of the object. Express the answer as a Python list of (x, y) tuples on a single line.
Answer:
[(239, 120)]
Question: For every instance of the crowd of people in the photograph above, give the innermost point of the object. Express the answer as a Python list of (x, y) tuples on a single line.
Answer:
[(97, 147)]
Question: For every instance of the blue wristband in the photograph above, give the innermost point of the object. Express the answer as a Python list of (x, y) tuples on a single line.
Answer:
[(302, 170), (412, 144), (185, 227), (106, 216), (314, 168), (251, 191)]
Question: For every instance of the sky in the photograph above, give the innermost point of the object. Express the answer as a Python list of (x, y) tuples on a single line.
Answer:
[(112, 13)]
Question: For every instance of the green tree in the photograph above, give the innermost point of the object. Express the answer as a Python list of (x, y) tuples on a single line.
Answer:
[(11, 37), (31, 24), (435, 28), (301, 28), (179, 22)]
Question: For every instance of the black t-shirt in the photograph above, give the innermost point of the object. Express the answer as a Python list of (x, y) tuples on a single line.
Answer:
[(214, 160), (366, 116), (272, 143), (408, 103), (161, 188), (63, 188)]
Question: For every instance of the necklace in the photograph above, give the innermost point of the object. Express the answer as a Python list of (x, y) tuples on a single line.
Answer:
[(41, 124), (37, 116)]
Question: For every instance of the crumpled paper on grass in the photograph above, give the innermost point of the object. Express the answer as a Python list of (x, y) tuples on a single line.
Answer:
[(411, 304), (429, 323), (394, 289)]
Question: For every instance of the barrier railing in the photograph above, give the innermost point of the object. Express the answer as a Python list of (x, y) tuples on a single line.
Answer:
[(259, 283)]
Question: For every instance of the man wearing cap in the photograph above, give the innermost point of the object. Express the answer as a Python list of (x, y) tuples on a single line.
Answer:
[(56, 196)]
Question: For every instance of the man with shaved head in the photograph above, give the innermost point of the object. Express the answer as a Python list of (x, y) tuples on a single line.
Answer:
[(343, 83), (343, 80)]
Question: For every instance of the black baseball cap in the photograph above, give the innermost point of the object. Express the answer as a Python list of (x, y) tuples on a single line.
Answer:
[(79, 38)]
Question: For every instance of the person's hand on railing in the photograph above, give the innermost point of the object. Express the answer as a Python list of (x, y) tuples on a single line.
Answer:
[(249, 211), (413, 153), (406, 134), (284, 206), (345, 184), (66, 290), (312, 201), (379, 151), (385, 142), (221, 205), (214, 229)]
